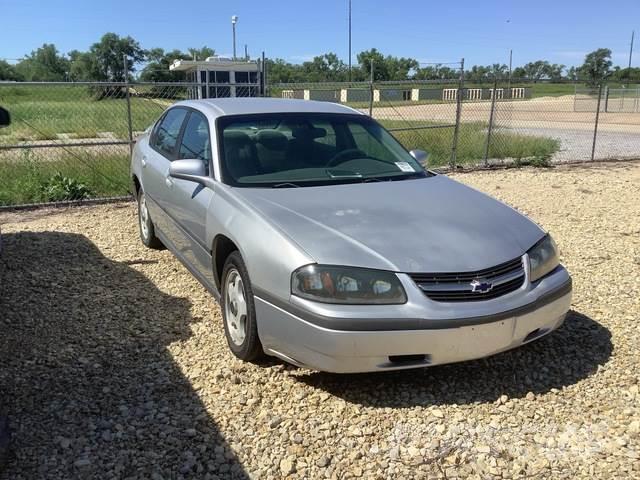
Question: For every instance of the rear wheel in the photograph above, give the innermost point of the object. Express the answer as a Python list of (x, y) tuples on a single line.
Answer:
[(147, 230), (238, 310)]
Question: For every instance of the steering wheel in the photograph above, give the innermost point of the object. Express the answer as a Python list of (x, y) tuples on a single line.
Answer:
[(346, 155)]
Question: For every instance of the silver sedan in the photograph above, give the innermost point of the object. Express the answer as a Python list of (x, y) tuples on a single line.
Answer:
[(331, 247)]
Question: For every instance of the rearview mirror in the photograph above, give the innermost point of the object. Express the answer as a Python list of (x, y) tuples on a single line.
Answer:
[(421, 156), (5, 118), (193, 170)]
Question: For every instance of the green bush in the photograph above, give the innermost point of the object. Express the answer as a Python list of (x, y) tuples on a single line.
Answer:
[(59, 188)]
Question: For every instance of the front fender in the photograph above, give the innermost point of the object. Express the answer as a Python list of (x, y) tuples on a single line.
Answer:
[(269, 254)]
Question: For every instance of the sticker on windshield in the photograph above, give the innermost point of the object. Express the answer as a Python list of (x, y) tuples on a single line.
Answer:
[(405, 167)]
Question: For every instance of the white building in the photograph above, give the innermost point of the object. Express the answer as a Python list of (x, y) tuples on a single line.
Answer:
[(221, 77)]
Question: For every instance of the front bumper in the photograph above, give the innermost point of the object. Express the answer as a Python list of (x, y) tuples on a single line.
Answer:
[(305, 340)]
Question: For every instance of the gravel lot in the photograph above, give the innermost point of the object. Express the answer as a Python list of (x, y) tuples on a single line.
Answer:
[(114, 363)]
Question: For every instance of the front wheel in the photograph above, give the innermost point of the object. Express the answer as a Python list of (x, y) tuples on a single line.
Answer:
[(238, 310)]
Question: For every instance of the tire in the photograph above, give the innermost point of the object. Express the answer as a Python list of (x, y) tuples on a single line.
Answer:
[(147, 230), (238, 310)]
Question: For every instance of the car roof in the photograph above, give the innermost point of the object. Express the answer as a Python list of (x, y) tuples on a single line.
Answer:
[(240, 106)]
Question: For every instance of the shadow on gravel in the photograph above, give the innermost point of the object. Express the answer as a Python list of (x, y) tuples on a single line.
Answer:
[(85, 376), (564, 357)]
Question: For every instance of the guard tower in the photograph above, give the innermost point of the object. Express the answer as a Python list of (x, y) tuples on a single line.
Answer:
[(221, 77)]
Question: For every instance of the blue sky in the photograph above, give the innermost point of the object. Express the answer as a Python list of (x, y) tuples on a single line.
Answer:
[(482, 31)]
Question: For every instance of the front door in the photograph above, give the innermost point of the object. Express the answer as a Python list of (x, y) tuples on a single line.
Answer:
[(190, 201)]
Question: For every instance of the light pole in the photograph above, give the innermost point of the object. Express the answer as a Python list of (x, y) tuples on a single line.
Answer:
[(349, 40), (234, 20), (633, 33)]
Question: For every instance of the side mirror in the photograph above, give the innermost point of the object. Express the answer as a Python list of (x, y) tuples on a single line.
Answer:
[(5, 118), (193, 170), (421, 156)]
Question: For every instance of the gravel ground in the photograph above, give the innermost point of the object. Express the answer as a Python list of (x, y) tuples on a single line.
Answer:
[(114, 363)]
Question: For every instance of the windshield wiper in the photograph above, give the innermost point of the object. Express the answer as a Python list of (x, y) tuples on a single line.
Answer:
[(286, 185)]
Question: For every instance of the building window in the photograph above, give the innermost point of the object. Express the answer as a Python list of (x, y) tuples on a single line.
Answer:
[(242, 77)]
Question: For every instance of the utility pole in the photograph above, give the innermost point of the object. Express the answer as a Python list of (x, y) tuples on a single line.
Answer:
[(246, 52), (234, 20), (631, 47), (349, 40)]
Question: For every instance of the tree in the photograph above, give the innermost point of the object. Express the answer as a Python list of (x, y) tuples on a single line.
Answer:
[(572, 74), (365, 59), (8, 72), (536, 70), (399, 68), (596, 66), (201, 53), (498, 70), (384, 68), (554, 71), (104, 60), (157, 70), (626, 75), (326, 67), (519, 73), (281, 71), (44, 64), (478, 74)]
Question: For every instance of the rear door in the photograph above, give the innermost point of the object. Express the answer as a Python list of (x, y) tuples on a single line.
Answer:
[(156, 160)]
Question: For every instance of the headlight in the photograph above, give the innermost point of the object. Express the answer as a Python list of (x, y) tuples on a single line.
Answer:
[(543, 258), (347, 285)]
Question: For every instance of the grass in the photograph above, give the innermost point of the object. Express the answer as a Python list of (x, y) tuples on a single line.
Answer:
[(471, 143), (30, 178), (43, 112)]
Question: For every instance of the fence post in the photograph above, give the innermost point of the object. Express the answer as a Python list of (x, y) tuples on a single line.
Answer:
[(456, 130), (371, 91), (263, 76), (491, 113), (595, 129), (606, 98), (126, 86)]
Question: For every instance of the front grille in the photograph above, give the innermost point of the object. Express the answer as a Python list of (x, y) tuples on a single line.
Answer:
[(457, 287)]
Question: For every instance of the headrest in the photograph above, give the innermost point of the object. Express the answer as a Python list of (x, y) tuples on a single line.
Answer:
[(236, 138), (308, 133), (272, 139)]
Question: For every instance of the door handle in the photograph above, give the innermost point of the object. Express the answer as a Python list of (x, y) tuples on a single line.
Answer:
[(168, 181), (143, 161)]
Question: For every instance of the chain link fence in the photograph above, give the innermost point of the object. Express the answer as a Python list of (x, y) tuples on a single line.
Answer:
[(72, 140)]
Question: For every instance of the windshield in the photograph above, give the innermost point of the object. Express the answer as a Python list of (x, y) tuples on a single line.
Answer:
[(307, 149)]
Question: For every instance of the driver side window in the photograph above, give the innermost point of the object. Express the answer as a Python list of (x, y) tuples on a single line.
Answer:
[(195, 143)]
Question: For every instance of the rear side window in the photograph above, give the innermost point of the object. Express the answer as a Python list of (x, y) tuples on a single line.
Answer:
[(168, 130), (195, 139)]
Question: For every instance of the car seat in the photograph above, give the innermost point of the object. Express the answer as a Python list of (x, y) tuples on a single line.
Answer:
[(241, 157), (272, 146)]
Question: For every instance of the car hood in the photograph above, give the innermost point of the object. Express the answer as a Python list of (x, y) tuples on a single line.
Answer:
[(432, 224)]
